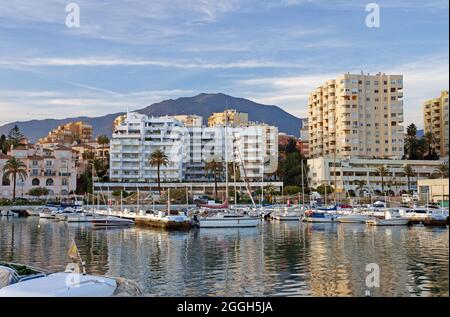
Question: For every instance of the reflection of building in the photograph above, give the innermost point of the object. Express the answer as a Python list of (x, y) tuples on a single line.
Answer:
[(357, 116), (69, 133), (53, 169), (436, 121), (436, 189), (231, 117), (350, 171), (189, 149)]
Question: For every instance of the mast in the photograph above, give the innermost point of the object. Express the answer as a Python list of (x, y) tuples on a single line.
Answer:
[(226, 156), (303, 183)]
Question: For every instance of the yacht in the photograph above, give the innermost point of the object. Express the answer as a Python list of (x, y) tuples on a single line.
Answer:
[(353, 218), (224, 219), (392, 217), (315, 216)]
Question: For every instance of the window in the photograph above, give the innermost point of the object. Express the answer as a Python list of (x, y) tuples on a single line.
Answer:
[(35, 182), (49, 182), (64, 182)]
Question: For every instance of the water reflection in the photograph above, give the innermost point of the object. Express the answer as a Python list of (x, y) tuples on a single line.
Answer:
[(280, 259)]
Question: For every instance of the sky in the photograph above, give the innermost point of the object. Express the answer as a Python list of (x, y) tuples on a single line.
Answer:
[(130, 54)]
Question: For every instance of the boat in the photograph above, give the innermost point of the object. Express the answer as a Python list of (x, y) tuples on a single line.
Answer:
[(7, 213), (226, 220), (391, 218), (319, 217), (110, 221), (287, 215), (11, 273), (353, 218), (69, 283)]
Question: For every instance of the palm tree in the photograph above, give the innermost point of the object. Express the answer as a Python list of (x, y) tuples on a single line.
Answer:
[(158, 158), (382, 171), (360, 186), (215, 167), (270, 192), (442, 170), (14, 168), (430, 141), (409, 172), (102, 140)]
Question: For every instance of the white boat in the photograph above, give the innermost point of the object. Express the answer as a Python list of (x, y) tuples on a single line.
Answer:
[(112, 222), (319, 217), (353, 218), (227, 221), (391, 218), (71, 284), (7, 213)]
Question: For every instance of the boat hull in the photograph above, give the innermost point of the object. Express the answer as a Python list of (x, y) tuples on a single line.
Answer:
[(228, 223)]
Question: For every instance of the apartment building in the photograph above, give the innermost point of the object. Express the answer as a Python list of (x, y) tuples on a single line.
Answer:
[(189, 120), (347, 173), (189, 148), (53, 169), (230, 117), (135, 138), (69, 133), (436, 117), (358, 116)]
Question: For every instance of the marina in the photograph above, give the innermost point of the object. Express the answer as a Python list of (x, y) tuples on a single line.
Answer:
[(273, 259)]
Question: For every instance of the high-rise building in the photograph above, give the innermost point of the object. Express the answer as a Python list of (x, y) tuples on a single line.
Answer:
[(435, 113), (230, 117), (254, 148), (357, 116), (69, 133)]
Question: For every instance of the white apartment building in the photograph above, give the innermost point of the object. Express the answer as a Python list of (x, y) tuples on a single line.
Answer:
[(53, 169), (189, 149), (135, 138), (358, 116), (351, 170)]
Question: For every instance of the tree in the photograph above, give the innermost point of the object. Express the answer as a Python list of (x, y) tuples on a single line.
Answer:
[(102, 140), (409, 172), (382, 171), (291, 146), (321, 189), (442, 170), (13, 168), (3, 144), (15, 137), (412, 150), (158, 158), (215, 168), (430, 141), (38, 191), (360, 186)]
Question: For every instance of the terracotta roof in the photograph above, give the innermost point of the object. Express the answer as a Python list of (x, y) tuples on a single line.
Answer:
[(35, 157), (62, 148)]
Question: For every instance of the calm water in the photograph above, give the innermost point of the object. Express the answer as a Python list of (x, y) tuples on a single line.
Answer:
[(279, 259)]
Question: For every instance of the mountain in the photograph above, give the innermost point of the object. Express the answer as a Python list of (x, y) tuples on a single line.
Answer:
[(203, 105)]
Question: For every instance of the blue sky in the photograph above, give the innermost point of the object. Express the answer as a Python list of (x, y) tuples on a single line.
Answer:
[(136, 52)]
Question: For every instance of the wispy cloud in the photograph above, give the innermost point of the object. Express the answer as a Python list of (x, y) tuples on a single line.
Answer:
[(105, 61)]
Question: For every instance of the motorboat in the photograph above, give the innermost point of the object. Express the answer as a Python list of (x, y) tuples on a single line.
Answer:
[(225, 220), (391, 218), (288, 214), (11, 273), (111, 221), (69, 283), (353, 218), (319, 217)]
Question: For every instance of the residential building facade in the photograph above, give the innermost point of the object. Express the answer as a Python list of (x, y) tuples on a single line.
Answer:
[(230, 117), (254, 148), (53, 169), (436, 117), (350, 171), (69, 133), (358, 116)]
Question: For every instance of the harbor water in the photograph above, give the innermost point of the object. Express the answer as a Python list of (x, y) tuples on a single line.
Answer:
[(275, 259)]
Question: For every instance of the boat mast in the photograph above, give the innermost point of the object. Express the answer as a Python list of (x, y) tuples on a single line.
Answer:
[(303, 183), (226, 156)]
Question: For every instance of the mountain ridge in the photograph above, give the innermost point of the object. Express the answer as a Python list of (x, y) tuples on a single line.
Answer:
[(203, 104)]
